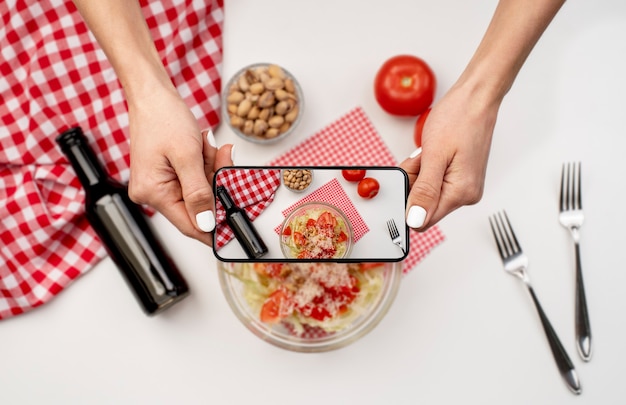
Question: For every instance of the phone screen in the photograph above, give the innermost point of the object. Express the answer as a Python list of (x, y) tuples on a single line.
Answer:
[(288, 213)]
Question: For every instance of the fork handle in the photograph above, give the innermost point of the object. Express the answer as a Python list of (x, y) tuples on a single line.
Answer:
[(583, 328), (563, 362)]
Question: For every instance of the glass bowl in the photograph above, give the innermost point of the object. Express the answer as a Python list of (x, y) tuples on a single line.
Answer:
[(331, 236), (246, 291), (289, 184), (262, 103)]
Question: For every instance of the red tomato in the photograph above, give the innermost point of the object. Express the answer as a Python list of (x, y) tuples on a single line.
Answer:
[(368, 187), (405, 86), (342, 237), (419, 127), (271, 309), (353, 174), (287, 231)]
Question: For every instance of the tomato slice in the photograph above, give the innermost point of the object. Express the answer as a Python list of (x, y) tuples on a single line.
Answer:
[(287, 231), (326, 219), (299, 239), (342, 237), (273, 270), (369, 266), (311, 223), (273, 310)]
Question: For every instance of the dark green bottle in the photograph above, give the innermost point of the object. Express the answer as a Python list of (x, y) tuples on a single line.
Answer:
[(123, 229)]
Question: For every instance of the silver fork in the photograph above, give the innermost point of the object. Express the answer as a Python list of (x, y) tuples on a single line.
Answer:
[(516, 263), (571, 216), (394, 234)]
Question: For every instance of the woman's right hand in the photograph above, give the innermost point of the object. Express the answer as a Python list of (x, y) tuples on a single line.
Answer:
[(172, 163)]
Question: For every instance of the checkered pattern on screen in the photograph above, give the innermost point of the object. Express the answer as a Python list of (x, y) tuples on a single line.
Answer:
[(251, 191), (53, 76)]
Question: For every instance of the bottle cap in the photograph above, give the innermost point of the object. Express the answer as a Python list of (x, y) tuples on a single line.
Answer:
[(71, 137)]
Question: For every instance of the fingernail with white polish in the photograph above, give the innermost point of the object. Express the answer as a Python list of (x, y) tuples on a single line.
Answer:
[(415, 153), (206, 221), (416, 216), (232, 154), (211, 139)]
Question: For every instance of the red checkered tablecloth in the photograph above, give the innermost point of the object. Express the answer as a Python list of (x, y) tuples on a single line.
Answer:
[(352, 140), (53, 76)]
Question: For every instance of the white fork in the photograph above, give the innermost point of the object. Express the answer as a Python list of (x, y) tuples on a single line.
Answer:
[(395, 234), (571, 216)]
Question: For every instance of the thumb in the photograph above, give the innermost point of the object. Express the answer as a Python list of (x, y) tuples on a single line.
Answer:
[(196, 190), (425, 192)]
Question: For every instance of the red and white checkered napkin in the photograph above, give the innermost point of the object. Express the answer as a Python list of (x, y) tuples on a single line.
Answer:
[(332, 193), (53, 76), (252, 192), (352, 140)]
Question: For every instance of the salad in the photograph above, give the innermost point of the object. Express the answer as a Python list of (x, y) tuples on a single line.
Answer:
[(318, 294), (315, 233)]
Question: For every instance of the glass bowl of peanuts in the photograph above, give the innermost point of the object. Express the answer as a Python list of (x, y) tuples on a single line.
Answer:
[(297, 180), (262, 103)]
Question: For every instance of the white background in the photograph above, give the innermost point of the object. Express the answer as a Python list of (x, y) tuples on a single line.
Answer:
[(461, 331)]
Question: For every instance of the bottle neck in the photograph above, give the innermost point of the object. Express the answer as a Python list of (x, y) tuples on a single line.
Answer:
[(225, 198), (83, 159)]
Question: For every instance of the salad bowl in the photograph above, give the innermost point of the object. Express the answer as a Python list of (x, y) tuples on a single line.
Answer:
[(316, 230), (304, 306)]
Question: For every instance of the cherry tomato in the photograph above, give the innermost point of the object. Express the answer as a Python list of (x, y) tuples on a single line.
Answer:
[(368, 187), (353, 174), (419, 127), (271, 309), (405, 86), (287, 231)]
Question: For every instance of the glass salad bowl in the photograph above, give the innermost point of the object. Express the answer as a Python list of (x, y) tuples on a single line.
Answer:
[(316, 230), (310, 307)]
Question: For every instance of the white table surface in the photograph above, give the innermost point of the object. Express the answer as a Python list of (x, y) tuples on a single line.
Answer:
[(461, 331)]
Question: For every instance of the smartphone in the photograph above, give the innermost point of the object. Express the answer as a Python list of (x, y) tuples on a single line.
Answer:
[(310, 213)]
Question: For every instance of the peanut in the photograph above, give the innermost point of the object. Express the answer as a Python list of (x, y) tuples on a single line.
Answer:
[(235, 97), (244, 108)]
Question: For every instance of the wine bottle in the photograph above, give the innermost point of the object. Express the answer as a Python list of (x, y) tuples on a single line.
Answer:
[(245, 233), (123, 229)]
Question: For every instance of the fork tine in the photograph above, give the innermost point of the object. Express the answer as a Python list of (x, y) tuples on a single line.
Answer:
[(393, 228), (562, 194), (504, 235), (571, 193), (515, 247), (579, 189), (497, 236)]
